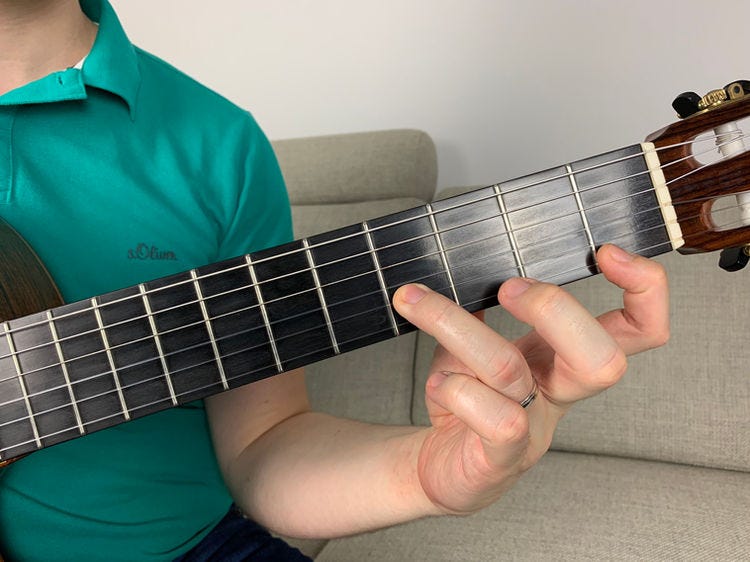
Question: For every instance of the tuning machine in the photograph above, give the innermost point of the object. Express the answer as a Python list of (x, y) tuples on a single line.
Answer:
[(734, 259), (690, 103), (729, 141)]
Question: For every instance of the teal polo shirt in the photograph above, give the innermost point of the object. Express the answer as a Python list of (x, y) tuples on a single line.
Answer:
[(123, 171)]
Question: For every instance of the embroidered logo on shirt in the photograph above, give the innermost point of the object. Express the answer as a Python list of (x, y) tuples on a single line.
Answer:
[(149, 252)]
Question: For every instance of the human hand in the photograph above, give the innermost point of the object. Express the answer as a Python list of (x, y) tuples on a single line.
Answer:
[(482, 440)]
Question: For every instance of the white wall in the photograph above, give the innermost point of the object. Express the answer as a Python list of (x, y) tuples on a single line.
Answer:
[(504, 87)]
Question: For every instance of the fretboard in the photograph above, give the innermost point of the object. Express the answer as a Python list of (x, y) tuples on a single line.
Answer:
[(93, 364)]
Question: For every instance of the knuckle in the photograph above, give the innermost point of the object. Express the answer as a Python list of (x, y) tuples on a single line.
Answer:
[(443, 314), (659, 272), (612, 371), (661, 337), (551, 302), (512, 429), (502, 367), (653, 274)]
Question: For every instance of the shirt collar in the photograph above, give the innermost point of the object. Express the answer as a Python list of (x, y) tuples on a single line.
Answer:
[(112, 65)]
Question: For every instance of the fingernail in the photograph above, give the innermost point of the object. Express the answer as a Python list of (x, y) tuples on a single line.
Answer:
[(618, 254), (412, 294), (516, 287)]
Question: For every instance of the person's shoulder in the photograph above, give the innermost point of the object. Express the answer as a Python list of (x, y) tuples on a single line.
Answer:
[(175, 91)]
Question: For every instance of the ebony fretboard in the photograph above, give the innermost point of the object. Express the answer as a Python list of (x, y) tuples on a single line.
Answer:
[(96, 363)]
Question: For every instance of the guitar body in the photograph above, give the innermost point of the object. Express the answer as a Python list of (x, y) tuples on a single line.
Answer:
[(25, 285)]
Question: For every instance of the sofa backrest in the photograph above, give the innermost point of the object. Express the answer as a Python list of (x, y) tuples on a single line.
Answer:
[(335, 181)]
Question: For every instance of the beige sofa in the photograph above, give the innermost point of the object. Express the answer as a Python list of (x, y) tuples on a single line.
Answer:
[(657, 468)]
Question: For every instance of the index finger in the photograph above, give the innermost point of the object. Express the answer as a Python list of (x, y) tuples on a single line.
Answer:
[(643, 322), (492, 358)]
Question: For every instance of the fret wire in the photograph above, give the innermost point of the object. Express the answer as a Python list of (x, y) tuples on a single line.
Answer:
[(264, 313), (321, 296), (522, 187), (341, 260), (509, 230), (22, 385), (608, 203), (441, 251), (64, 368), (206, 387), (584, 219), (665, 243), (381, 279), (498, 254), (110, 358), (157, 342), (210, 329), (302, 332)]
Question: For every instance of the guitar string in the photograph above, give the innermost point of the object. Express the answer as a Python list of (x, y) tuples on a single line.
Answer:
[(289, 296), (206, 387), (426, 215), (499, 254), (180, 327), (423, 216), (241, 376), (197, 390), (262, 328), (328, 264), (224, 356)]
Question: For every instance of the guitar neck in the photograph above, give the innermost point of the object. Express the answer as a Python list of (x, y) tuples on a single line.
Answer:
[(93, 364)]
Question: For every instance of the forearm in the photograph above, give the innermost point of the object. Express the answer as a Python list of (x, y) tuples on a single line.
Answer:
[(314, 475)]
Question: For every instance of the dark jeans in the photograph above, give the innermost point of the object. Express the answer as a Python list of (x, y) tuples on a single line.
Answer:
[(236, 539)]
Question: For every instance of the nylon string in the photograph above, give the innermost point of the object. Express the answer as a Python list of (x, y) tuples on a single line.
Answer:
[(359, 296), (139, 296), (284, 297), (428, 235)]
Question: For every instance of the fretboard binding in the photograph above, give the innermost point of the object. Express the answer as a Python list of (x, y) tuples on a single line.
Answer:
[(157, 342), (264, 313), (509, 230), (209, 329), (66, 375), (441, 251), (581, 210), (381, 279), (321, 296), (22, 385)]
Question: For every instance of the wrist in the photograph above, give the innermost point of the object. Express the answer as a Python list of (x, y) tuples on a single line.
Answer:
[(407, 481)]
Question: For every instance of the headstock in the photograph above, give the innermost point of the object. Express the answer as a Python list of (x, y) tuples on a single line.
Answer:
[(696, 186)]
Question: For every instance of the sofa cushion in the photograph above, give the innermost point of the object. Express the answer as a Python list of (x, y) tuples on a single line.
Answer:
[(581, 507)]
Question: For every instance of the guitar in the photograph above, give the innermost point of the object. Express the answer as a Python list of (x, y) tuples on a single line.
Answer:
[(67, 370)]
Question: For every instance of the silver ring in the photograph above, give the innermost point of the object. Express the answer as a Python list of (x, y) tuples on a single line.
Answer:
[(526, 402)]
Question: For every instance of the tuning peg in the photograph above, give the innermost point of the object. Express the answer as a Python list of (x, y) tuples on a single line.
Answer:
[(738, 89), (734, 259), (686, 104)]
